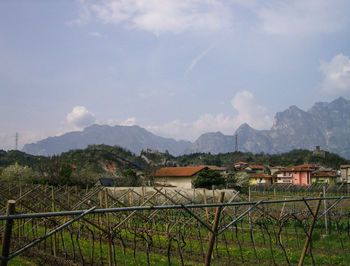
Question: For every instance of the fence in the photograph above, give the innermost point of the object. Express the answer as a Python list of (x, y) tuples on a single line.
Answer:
[(95, 227), (297, 189)]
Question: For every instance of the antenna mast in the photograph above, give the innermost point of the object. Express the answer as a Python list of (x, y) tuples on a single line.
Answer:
[(236, 138), (16, 141)]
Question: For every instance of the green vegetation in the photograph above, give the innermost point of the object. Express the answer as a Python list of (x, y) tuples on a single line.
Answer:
[(85, 167), (293, 157), (209, 178)]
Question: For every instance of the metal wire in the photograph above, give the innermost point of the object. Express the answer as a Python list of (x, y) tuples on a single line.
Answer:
[(169, 207)]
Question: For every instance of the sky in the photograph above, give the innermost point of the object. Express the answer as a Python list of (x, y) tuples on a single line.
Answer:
[(178, 68)]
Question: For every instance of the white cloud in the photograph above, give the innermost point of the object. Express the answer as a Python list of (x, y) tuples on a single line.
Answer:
[(304, 17), (129, 122), (80, 117), (196, 60), (249, 111), (336, 74), (243, 102), (275, 17), (159, 16)]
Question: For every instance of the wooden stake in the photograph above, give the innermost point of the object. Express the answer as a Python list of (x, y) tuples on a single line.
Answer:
[(53, 209), (6, 238), (109, 231), (325, 208), (215, 229), (205, 202), (308, 238)]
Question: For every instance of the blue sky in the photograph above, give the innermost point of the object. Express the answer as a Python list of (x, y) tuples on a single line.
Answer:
[(179, 68)]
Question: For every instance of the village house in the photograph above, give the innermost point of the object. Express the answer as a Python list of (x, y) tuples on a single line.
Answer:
[(240, 165), (323, 177), (177, 176), (260, 178), (253, 168), (297, 175), (181, 176), (276, 169), (345, 173)]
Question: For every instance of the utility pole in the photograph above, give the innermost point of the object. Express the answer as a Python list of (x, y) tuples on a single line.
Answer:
[(16, 141), (236, 138)]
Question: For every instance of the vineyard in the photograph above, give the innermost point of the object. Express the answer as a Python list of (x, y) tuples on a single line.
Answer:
[(46, 225)]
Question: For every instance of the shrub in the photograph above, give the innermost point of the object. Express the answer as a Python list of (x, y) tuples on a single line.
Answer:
[(208, 178)]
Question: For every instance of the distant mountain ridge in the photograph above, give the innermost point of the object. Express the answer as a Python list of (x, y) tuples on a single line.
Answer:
[(133, 138), (325, 124)]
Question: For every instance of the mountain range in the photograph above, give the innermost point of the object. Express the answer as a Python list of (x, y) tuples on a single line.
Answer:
[(325, 124)]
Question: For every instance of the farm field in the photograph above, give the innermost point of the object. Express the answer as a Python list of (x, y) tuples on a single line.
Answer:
[(160, 227)]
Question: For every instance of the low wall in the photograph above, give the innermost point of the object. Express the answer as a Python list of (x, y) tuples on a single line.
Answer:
[(136, 195)]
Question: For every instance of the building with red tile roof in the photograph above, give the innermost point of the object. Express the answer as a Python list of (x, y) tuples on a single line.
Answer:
[(345, 173), (297, 175), (323, 177), (177, 176)]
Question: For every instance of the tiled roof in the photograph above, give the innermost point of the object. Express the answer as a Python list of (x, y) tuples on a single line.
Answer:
[(322, 169), (254, 166), (345, 166), (278, 167), (323, 174), (240, 163), (307, 166), (179, 171), (260, 176), (300, 168), (217, 168)]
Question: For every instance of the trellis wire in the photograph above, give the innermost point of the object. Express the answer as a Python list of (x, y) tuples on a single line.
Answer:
[(144, 234)]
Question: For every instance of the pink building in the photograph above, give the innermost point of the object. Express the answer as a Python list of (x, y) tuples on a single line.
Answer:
[(297, 175)]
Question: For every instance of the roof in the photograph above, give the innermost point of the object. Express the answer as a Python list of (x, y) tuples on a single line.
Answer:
[(254, 166), (179, 171), (345, 166), (322, 169), (323, 174), (260, 176), (305, 165), (216, 168), (301, 168), (277, 167), (241, 163)]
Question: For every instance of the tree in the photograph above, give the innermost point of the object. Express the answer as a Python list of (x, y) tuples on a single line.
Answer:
[(130, 178), (208, 178), (241, 181), (65, 173), (17, 173)]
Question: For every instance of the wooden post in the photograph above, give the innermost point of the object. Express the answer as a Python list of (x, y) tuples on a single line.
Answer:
[(6, 238), (215, 229), (108, 230), (308, 238), (53, 209), (205, 202), (325, 208), (276, 205), (20, 210)]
